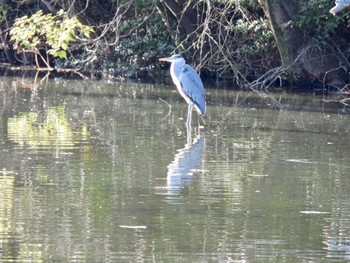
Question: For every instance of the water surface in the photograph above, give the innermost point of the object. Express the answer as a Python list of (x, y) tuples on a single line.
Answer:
[(94, 171)]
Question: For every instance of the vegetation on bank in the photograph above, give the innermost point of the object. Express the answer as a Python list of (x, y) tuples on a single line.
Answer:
[(252, 43)]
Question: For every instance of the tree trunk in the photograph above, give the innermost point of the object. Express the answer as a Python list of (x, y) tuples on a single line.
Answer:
[(293, 43), (184, 14)]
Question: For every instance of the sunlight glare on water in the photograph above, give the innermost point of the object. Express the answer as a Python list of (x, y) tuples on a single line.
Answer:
[(93, 171)]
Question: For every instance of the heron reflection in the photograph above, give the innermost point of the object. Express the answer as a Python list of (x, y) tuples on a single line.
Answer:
[(181, 171)]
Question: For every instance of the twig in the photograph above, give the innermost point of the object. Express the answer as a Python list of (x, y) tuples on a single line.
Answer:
[(270, 76), (169, 106)]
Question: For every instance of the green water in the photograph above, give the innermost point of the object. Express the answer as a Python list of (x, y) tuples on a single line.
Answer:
[(93, 171)]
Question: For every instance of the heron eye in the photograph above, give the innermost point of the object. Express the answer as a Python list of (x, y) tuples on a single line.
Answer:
[(177, 56)]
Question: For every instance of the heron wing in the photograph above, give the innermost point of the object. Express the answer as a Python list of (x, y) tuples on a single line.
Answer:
[(193, 87)]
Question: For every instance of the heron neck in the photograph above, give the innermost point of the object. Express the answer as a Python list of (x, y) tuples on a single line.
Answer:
[(176, 66)]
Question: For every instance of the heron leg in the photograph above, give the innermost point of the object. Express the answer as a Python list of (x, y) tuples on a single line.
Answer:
[(189, 134), (189, 115)]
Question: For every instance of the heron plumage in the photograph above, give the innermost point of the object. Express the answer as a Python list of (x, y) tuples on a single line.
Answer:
[(192, 86)]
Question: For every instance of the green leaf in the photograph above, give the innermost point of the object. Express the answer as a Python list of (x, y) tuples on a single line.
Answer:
[(53, 31), (60, 54)]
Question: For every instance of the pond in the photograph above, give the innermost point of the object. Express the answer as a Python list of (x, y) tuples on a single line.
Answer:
[(96, 171)]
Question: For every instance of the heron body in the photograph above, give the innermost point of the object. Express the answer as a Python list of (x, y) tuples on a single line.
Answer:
[(188, 84)]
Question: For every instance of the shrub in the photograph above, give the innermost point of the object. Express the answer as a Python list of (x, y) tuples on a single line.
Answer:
[(52, 32)]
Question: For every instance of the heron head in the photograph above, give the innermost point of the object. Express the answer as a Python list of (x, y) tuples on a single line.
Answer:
[(173, 58)]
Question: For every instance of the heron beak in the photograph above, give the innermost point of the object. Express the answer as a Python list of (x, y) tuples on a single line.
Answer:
[(165, 59)]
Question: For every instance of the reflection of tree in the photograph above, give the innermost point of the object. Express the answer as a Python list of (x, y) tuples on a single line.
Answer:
[(8, 227), (53, 132), (7, 184)]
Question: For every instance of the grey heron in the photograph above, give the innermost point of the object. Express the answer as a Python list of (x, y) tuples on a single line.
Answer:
[(188, 83)]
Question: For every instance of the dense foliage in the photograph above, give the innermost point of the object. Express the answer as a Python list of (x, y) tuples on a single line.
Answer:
[(52, 32), (327, 35), (228, 41)]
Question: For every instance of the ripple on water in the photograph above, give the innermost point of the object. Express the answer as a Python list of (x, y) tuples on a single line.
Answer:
[(336, 230)]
